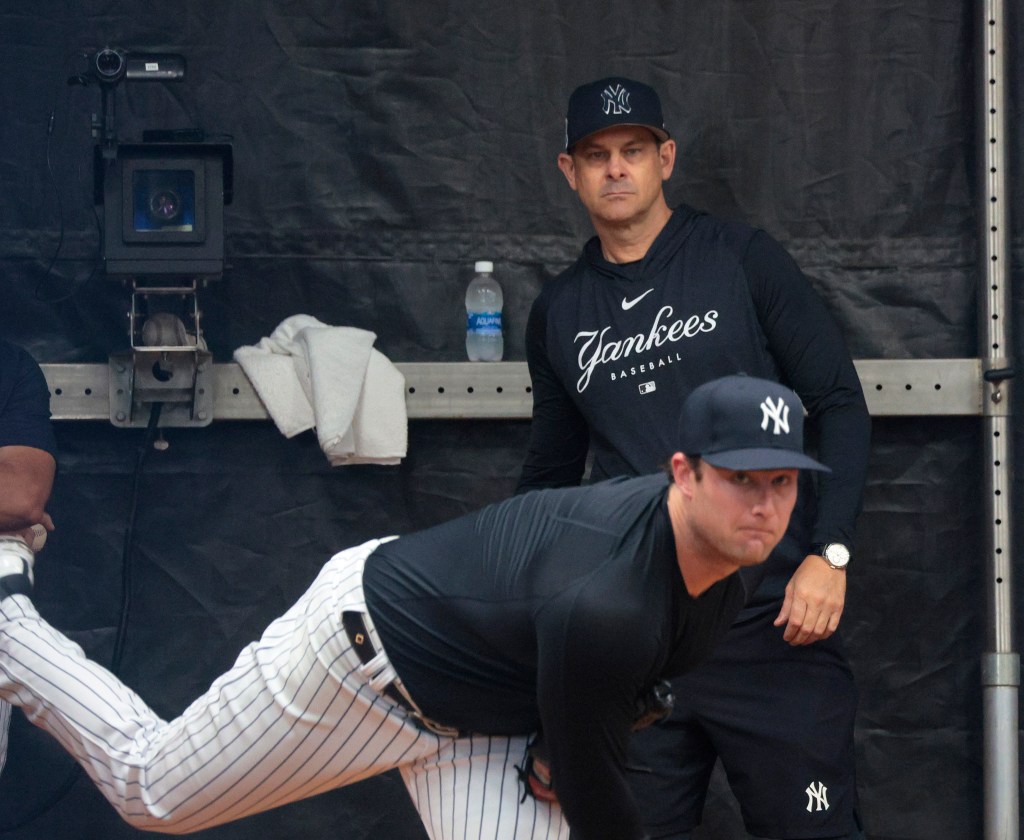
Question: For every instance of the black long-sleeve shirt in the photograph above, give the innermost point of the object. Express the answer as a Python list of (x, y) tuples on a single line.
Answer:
[(614, 350), (555, 611), (24, 401)]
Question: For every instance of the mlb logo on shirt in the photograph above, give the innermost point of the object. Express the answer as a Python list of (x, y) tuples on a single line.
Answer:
[(647, 387)]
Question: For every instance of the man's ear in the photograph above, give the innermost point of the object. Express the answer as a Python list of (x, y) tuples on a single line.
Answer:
[(568, 167), (682, 474), (667, 154)]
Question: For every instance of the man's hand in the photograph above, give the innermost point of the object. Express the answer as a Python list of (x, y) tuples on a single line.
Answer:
[(539, 779), (536, 772), (34, 536), (814, 601)]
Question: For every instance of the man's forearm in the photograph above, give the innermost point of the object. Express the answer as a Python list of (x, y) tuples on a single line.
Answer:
[(26, 480)]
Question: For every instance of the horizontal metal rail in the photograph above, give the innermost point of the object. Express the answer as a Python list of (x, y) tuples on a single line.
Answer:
[(502, 390)]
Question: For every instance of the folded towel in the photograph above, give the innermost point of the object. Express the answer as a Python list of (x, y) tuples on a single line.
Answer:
[(311, 375)]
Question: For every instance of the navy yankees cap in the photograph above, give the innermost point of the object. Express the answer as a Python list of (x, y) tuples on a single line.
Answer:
[(612, 101), (745, 423)]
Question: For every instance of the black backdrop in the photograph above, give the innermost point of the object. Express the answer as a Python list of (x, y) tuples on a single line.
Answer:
[(380, 148)]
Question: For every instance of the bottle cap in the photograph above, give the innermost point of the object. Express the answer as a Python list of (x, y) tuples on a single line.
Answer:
[(483, 267)]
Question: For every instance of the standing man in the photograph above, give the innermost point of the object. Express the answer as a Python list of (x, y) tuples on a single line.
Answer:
[(660, 301), (449, 652), (28, 462)]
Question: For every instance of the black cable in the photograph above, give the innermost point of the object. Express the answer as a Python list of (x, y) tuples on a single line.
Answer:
[(73, 80), (129, 539)]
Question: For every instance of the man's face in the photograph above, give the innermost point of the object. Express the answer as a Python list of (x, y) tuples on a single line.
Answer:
[(740, 515), (618, 173)]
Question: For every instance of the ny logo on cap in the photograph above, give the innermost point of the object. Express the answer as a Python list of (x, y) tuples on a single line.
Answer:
[(779, 412), (616, 100)]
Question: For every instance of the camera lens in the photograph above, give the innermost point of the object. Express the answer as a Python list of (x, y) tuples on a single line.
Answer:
[(164, 206), (109, 63)]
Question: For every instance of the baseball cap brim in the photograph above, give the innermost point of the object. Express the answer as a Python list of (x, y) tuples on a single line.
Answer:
[(763, 458), (660, 133)]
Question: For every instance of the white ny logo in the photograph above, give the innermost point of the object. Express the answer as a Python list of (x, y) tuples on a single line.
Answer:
[(616, 100), (819, 795), (779, 412)]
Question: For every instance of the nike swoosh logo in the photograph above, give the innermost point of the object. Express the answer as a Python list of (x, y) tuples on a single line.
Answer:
[(629, 304)]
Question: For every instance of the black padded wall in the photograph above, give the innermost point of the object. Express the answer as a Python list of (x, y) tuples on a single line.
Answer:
[(381, 148)]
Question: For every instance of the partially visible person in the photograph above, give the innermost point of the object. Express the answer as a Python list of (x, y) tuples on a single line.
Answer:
[(551, 618), (660, 301), (28, 462)]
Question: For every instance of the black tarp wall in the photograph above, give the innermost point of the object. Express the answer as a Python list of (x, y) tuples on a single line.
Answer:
[(379, 149)]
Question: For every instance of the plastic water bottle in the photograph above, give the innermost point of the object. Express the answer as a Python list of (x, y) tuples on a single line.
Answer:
[(484, 341)]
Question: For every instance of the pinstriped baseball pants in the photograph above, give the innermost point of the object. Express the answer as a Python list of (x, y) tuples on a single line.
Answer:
[(293, 717)]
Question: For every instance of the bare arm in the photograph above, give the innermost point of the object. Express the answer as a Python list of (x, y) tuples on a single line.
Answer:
[(27, 445), (26, 479), (814, 601)]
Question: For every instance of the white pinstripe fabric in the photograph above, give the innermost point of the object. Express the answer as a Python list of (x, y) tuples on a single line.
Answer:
[(468, 788), (294, 717)]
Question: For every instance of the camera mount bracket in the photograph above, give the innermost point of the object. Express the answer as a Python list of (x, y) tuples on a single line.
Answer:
[(168, 364)]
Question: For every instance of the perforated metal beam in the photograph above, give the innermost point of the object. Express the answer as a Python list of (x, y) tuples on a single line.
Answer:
[(1000, 671), (502, 390)]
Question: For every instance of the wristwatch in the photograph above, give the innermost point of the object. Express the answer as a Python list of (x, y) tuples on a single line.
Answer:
[(836, 555)]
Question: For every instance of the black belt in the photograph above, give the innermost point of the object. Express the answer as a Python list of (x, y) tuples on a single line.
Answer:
[(359, 637)]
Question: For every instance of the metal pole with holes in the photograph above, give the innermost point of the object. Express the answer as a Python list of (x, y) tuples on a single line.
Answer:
[(1000, 667)]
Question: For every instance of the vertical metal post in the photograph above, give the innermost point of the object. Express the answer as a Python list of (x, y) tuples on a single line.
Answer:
[(1000, 663)]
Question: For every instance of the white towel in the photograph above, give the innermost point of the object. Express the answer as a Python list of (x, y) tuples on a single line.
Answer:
[(311, 375)]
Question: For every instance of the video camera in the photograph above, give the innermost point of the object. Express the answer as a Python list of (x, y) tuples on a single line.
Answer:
[(110, 65), (163, 198), (163, 208)]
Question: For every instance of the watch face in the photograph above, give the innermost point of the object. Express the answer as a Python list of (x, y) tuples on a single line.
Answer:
[(837, 555)]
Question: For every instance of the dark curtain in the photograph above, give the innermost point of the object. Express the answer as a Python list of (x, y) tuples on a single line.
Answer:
[(379, 149)]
